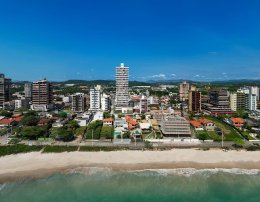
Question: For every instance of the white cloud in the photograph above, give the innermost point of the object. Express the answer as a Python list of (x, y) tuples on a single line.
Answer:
[(159, 76), (173, 75), (197, 76)]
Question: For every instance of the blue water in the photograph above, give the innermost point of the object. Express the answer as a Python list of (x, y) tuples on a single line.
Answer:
[(151, 185)]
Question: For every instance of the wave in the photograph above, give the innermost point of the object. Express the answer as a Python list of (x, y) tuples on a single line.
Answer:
[(192, 171), (108, 172)]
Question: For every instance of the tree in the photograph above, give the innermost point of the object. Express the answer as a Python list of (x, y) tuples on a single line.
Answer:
[(94, 127), (106, 115), (202, 136), (30, 120), (62, 115), (32, 133), (5, 113), (63, 133), (107, 132), (72, 124)]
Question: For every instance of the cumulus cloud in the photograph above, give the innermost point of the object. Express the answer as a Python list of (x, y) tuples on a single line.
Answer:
[(174, 75), (197, 76)]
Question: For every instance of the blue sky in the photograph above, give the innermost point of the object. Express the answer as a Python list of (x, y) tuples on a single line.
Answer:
[(157, 39)]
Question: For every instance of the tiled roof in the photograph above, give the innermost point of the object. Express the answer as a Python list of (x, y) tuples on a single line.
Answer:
[(195, 123), (6, 121)]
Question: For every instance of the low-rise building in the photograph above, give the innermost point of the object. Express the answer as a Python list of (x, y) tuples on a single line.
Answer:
[(237, 122), (175, 126)]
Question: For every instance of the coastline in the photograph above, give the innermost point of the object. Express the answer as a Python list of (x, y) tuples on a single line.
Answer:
[(35, 165)]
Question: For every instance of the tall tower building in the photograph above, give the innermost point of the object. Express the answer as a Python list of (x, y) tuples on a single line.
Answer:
[(95, 98), (184, 91), (28, 91), (42, 95), (122, 95), (195, 101), (5, 94)]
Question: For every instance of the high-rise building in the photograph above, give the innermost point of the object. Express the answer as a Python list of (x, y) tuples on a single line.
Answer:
[(5, 94), (95, 99), (241, 100), (250, 97), (42, 95), (233, 101), (28, 91), (105, 102), (195, 101), (184, 91), (122, 96), (78, 102)]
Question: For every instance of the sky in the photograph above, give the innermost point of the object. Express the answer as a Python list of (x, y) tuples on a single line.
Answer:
[(158, 39)]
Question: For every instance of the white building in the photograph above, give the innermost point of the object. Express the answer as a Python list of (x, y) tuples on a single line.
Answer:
[(250, 97), (105, 102), (95, 101), (22, 103), (233, 101), (122, 95)]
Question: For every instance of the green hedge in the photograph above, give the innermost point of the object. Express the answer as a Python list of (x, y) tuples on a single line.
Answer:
[(59, 149), (19, 148)]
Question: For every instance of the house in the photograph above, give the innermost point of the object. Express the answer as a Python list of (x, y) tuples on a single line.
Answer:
[(6, 122), (145, 126), (237, 122), (131, 122), (44, 122), (207, 124), (108, 122), (196, 125)]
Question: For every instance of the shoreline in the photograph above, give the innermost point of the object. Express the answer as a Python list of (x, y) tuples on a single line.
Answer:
[(34, 165)]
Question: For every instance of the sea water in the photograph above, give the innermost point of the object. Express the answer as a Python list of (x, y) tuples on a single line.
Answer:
[(95, 184)]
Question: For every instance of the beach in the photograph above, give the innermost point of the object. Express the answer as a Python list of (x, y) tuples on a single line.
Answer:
[(37, 164)]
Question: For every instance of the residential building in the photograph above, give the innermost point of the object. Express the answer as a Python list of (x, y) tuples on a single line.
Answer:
[(139, 104), (28, 91), (105, 102), (22, 103), (122, 96), (195, 101), (207, 124), (175, 126), (95, 99), (250, 97), (233, 101), (5, 94), (218, 103), (241, 100), (42, 95), (184, 91), (78, 102)]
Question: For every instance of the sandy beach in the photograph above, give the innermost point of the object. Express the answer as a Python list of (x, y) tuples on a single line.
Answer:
[(36, 164)]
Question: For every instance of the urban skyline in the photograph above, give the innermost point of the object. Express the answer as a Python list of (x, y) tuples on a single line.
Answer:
[(170, 40)]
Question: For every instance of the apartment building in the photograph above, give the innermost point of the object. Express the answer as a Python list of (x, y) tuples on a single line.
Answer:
[(195, 101), (78, 103), (184, 91), (5, 86), (95, 99)]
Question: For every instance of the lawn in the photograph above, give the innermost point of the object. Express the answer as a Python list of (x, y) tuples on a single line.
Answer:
[(59, 149), (229, 133)]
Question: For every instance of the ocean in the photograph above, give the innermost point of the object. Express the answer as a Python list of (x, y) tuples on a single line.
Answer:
[(97, 185)]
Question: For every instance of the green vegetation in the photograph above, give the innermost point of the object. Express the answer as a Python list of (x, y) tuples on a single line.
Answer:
[(229, 132), (95, 129), (62, 115), (89, 148), (19, 148), (62, 133), (107, 115), (107, 132), (31, 132), (30, 121), (80, 131), (59, 149), (5, 113), (202, 135)]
